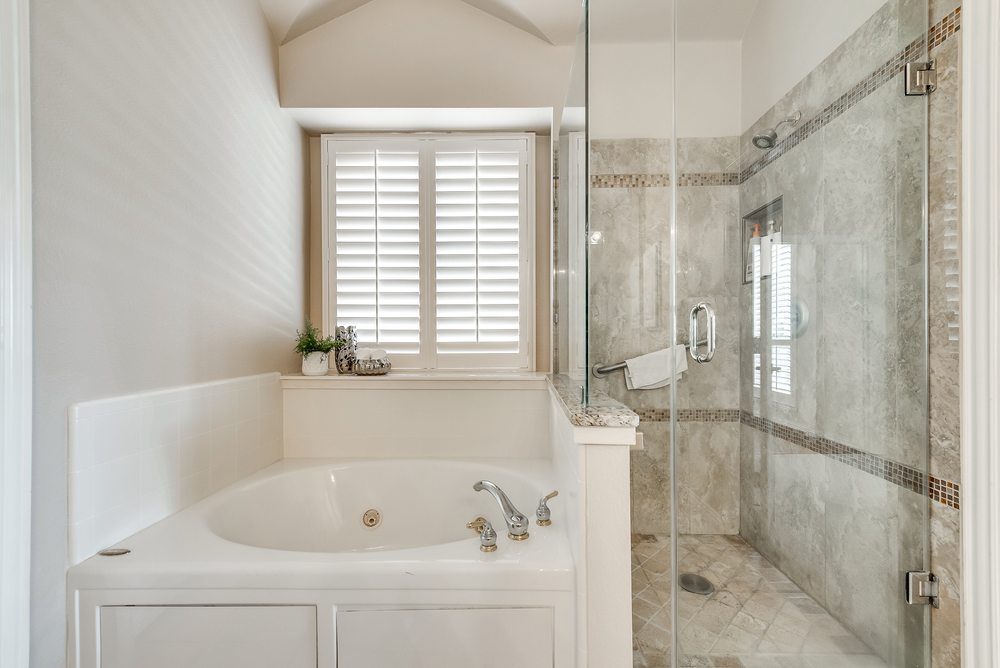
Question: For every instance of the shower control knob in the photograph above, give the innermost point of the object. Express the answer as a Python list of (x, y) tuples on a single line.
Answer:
[(543, 516)]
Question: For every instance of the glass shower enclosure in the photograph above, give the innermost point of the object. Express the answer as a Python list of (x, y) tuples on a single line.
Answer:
[(742, 191)]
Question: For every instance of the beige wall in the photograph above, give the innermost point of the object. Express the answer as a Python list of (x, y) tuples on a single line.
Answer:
[(422, 53), (630, 90), (543, 250), (169, 217)]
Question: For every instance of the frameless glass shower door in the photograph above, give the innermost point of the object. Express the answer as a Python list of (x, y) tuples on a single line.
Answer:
[(757, 222), (831, 285)]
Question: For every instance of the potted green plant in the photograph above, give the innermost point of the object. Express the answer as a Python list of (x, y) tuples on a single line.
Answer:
[(315, 350)]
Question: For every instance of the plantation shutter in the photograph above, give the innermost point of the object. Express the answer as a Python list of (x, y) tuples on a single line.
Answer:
[(376, 193), (480, 209), (429, 248), (781, 292), (781, 317)]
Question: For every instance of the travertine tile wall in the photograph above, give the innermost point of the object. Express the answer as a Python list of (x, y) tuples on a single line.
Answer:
[(630, 316), (944, 143)]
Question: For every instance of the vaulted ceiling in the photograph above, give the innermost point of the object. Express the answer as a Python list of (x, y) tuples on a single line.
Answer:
[(553, 21)]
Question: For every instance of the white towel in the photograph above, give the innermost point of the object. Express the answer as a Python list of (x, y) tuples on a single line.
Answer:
[(653, 371), (363, 354), (378, 353)]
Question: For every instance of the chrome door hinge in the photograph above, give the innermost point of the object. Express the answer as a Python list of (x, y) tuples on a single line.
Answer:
[(921, 78), (921, 588)]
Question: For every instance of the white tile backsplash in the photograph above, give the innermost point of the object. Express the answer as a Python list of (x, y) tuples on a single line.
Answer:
[(137, 459), (194, 454)]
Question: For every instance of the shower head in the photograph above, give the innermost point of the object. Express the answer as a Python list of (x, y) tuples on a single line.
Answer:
[(769, 137), (766, 139)]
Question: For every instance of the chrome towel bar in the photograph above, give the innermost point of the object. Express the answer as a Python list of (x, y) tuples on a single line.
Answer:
[(601, 371)]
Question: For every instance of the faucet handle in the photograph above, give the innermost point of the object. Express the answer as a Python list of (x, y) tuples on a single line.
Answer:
[(543, 516), (477, 524), (488, 538)]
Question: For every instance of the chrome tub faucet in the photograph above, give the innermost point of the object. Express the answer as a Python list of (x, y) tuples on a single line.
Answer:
[(517, 523)]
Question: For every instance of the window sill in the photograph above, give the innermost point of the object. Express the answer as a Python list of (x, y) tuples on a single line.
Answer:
[(421, 380)]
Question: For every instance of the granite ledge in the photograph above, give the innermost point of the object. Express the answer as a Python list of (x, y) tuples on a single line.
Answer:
[(603, 411)]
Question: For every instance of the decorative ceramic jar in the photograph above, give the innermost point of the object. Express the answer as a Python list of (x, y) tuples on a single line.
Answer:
[(315, 363), (347, 353)]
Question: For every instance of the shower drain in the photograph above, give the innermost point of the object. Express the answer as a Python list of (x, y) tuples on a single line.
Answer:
[(371, 518), (695, 584)]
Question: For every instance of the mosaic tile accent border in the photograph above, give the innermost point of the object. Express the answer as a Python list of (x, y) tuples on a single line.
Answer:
[(689, 414), (940, 491), (944, 492), (938, 33), (709, 179), (630, 181), (890, 471), (663, 180), (944, 29)]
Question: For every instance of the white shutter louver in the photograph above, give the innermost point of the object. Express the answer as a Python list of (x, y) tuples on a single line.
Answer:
[(781, 369), (781, 317), (377, 228), (478, 209), (781, 292), (756, 291)]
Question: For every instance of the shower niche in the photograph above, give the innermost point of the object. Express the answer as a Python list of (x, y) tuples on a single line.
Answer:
[(762, 230)]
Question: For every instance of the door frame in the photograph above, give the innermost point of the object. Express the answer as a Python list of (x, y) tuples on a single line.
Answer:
[(980, 333)]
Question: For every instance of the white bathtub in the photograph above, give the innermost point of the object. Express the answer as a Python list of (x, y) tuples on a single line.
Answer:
[(267, 571)]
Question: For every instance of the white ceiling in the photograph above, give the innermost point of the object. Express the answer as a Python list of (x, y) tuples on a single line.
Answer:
[(554, 21)]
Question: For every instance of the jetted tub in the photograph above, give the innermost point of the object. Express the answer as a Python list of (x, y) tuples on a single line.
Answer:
[(281, 569), (417, 504)]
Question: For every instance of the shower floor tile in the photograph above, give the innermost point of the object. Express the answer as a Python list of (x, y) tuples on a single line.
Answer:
[(755, 618)]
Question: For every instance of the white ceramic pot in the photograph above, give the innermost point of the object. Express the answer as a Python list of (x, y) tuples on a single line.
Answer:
[(315, 364)]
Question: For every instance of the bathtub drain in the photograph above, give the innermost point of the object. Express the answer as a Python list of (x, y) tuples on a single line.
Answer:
[(371, 518)]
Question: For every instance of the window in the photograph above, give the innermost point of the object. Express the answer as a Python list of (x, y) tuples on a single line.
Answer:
[(429, 243)]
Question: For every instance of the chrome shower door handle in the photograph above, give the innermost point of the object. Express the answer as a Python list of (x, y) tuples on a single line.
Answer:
[(710, 338)]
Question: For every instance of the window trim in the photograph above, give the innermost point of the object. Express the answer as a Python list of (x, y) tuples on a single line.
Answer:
[(528, 259)]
